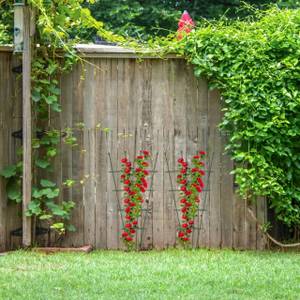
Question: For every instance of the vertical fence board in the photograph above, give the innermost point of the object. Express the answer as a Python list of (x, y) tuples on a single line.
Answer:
[(214, 141), (102, 166), (158, 98), (78, 157), (226, 190), (203, 219), (89, 187), (143, 85), (112, 123), (159, 106)]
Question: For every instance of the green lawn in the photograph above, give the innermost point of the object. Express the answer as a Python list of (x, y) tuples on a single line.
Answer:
[(172, 274)]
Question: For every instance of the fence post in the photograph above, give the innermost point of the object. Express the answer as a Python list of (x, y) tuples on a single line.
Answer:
[(27, 129)]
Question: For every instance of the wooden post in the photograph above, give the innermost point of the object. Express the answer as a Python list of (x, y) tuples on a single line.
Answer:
[(27, 128)]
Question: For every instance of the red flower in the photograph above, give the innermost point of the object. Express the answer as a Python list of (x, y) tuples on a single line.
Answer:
[(180, 234), (183, 188), (128, 225), (183, 181), (142, 190), (145, 164), (185, 225), (127, 170), (124, 160), (191, 222), (180, 160), (188, 193), (189, 230), (183, 217), (202, 153), (194, 170), (126, 189), (179, 176), (202, 172), (200, 182), (127, 209), (146, 172), (122, 176), (126, 200), (184, 164), (183, 210), (128, 238), (198, 188), (146, 153), (132, 204), (196, 157), (140, 157), (132, 231), (135, 222), (124, 234), (138, 170), (186, 239), (128, 217), (127, 181), (144, 182), (183, 200), (183, 170), (188, 204)]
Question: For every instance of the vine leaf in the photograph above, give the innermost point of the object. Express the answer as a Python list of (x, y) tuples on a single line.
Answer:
[(47, 183), (43, 164), (34, 208), (9, 171), (13, 190)]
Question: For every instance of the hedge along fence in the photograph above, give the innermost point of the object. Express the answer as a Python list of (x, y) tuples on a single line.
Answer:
[(151, 104)]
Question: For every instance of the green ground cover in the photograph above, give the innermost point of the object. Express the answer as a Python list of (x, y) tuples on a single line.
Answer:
[(172, 274)]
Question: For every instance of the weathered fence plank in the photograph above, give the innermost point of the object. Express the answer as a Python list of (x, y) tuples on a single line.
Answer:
[(151, 104)]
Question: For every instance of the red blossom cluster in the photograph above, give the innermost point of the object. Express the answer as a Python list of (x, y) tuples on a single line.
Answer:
[(185, 25), (134, 186), (191, 185)]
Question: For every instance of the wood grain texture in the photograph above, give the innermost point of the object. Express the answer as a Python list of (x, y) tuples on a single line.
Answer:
[(27, 130), (151, 104)]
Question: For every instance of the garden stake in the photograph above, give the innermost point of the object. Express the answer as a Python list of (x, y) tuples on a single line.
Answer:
[(150, 195), (115, 184)]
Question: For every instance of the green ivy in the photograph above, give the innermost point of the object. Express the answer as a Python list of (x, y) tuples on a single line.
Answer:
[(57, 24), (256, 65)]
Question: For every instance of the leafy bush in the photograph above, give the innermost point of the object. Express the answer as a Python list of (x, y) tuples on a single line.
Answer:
[(143, 19), (256, 65)]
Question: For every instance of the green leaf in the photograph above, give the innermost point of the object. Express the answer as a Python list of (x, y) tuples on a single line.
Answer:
[(34, 208), (13, 190), (41, 163), (45, 217), (56, 107), (47, 183), (71, 228), (51, 99), (36, 96), (51, 193), (9, 171), (54, 90)]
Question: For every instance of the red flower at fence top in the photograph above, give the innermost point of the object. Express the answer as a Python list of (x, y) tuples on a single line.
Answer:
[(134, 186), (190, 185), (185, 25)]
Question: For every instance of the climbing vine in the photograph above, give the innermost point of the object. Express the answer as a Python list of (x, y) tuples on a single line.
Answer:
[(57, 33), (256, 66)]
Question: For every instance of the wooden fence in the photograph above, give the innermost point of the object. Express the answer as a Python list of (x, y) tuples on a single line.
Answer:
[(151, 104)]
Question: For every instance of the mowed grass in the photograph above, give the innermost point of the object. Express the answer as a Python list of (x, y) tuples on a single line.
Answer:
[(172, 274)]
